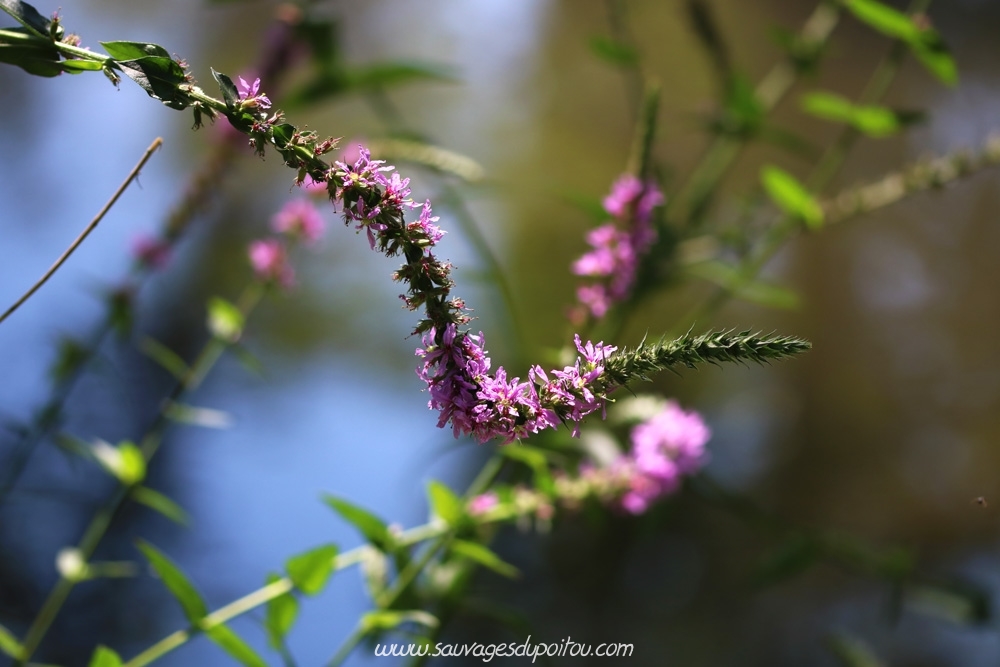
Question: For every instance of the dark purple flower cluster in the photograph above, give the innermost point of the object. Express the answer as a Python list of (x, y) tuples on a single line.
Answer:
[(456, 368)]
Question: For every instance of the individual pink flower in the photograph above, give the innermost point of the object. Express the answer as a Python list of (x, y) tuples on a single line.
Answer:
[(250, 95), (299, 219), (483, 503), (154, 253), (270, 262)]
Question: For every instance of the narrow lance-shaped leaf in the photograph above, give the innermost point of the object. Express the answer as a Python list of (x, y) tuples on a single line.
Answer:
[(386, 619), (886, 20), (445, 504), (9, 643), (925, 42), (234, 646), (852, 652), (160, 503), (176, 582), (134, 50), (27, 16), (229, 92), (934, 54), (875, 121), (791, 196), (160, 77), (754, 291), (614, 52), (280, 616), (164, 356), (40, 60), (225, 320), (105, 657), (485, 557), (957, 603), (311, 570), (195, 416), (535, 459), (371, 527)]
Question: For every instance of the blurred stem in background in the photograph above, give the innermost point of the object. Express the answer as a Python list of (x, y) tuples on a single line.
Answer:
[(280, 52)]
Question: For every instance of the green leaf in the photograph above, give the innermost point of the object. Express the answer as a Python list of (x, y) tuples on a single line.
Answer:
[(387, 74), (247, 359), (160, 503), (125, 461), (828, 106), (591, 206), (105, 657), (72, 565), (229, 92), (925, 43), (886, 20), (445, 504), (613, 52), (38, 60), (69, 359), (791, 196), (160, 77), (706, 29), (134, 50), (485, 557), (225, 320), (385, 619), (311, 570), (754, 291), (176, 582), (133, 464), (955, 602), (796, 555), (165, 357), (875, 121), (936, 57), (535, 459), (234, 646), (27, 16), (9, 643), (282, 612), (429, 155), (371, 527), (73, 445), (204, 417), (852, 652)]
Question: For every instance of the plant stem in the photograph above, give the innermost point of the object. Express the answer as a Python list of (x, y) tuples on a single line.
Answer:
[(428, 531), (820, 178), (87, 230), (149, 444)]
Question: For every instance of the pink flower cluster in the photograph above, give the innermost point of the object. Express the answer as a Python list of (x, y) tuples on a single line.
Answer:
[(617, 246), (298, 220), (468, 394), (486, 406), (664, 449)]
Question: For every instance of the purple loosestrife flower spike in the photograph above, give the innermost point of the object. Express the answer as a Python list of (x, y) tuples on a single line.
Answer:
[(617, 247), (466, 391)]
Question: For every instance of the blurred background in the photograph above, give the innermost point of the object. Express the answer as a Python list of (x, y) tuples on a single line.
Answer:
[(885, 432)]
